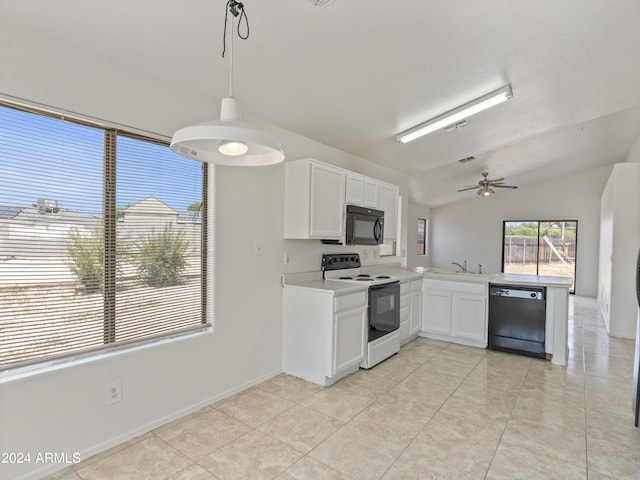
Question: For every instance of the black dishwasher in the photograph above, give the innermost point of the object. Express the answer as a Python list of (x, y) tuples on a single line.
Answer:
[(517, 319)]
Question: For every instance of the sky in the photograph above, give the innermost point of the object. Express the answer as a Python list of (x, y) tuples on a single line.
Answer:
[(43, 157)]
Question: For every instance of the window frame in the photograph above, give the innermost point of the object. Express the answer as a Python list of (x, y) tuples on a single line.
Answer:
[(425, 236), (110, 221)]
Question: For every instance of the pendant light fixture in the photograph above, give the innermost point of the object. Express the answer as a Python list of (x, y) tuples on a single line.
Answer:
[(229, 140)]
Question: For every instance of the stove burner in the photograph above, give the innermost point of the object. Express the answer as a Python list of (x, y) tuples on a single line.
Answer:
[(363, 275), (383, 276), (367, 279), (345, 278)]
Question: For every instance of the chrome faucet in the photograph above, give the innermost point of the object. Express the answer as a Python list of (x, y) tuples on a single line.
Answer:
[(463, 267)]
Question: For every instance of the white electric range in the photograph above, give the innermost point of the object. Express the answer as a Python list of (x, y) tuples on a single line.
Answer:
[(383, 338)]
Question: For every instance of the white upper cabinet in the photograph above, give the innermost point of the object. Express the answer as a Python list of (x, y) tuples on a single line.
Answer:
[(388, 203), (371, 193), (316, 194), (314, 200), (362, 191), (355, 189)]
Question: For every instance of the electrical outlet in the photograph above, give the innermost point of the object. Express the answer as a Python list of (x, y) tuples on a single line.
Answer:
[(257, 249), (114, 392), (287, 258)]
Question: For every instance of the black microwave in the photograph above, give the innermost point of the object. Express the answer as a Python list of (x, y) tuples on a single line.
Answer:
[(365, 226)]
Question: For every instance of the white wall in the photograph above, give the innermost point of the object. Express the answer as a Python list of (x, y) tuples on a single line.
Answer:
[(413, 259), (472, 229), (64, 410), (620, 240)]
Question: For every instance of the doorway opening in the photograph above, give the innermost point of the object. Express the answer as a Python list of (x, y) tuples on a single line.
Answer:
[(540, 247)]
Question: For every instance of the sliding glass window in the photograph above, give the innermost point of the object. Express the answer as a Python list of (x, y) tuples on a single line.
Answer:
[(540, 247), (101, 238)]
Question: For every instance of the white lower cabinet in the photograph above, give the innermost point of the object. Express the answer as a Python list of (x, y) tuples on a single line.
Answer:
[(410, 310), (455, 312), (324, 334)]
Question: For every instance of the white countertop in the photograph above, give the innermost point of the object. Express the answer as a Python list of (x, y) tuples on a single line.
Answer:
[(314, 280)]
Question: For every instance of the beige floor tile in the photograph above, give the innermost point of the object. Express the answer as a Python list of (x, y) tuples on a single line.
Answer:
[(201, 433), (547, 441), (353, 451), (561, 409), (253, 456), (289, 388), (519, 463), (417, 464), (339, 403), (593, 475), (66, 474), (394, 368), (193, 472), (364, 383), (435, 387), (309, 469), (150, 459), (300, 428), (398, 416), (111, 451), (254, 407), (503, 401)]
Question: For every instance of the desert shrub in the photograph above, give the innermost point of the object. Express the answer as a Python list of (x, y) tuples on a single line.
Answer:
[(162, 256), (87, 259)]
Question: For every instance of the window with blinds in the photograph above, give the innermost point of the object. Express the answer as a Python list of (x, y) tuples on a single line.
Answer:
[(102, 238)]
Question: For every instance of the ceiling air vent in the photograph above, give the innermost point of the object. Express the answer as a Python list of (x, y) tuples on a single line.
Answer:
[(319, 3), (466, 159)]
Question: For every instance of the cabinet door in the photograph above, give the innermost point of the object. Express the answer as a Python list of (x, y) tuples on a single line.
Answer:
[(355, 189), (388, 203), (437, 312), (371, 193), (468, 316), (416, 312), (349, 340), (327, 202)]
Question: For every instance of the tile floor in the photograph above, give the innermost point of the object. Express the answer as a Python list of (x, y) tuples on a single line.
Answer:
[(434, 411)]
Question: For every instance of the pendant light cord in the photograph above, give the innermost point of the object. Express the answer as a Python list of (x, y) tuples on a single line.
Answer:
[(237, 9)]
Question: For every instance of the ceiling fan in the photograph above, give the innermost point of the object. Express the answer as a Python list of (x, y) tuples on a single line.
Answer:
[(485, 185)]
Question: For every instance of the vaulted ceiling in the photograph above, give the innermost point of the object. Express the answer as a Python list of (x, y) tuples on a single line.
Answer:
[(354, 73)]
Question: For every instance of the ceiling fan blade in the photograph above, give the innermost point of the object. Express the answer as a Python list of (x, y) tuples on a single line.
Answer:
[(497, 180), (468, 188), (505, 186)]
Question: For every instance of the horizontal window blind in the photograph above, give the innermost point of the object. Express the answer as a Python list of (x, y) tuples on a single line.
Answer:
[(100, 239)]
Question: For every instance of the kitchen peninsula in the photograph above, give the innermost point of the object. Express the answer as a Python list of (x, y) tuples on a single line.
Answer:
[(325, 320)]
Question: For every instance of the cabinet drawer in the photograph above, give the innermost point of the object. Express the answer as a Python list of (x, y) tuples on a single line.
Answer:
[(404, 288), (352, 301), (416, 285)]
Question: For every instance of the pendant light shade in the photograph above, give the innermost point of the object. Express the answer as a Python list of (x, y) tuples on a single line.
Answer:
[(228, 141)]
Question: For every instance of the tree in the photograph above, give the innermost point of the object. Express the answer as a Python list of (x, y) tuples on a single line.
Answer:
[(194, 207), (162, 257)]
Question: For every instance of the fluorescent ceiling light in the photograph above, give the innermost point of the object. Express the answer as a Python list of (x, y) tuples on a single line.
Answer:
[(457, 114)]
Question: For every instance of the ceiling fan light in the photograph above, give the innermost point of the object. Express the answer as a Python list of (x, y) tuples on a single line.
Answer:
[(457, 114), (486, 191)]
